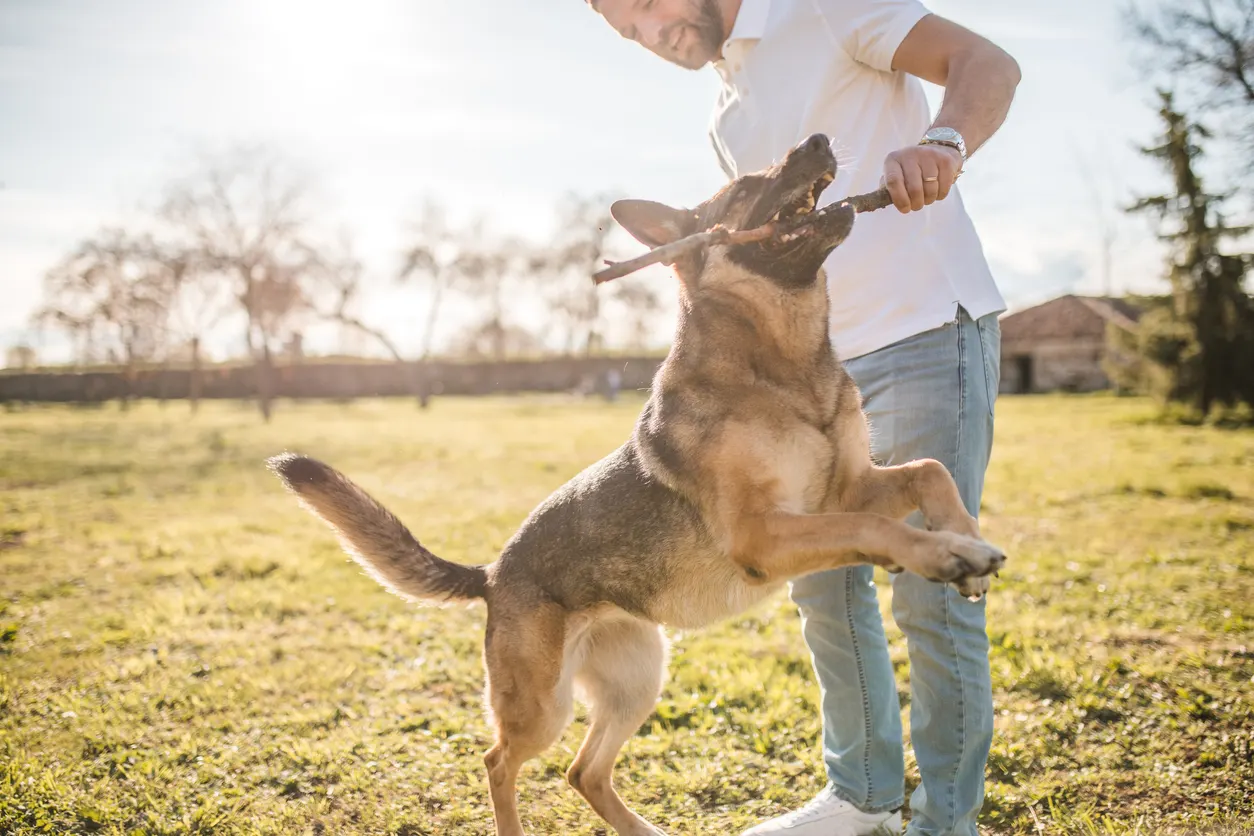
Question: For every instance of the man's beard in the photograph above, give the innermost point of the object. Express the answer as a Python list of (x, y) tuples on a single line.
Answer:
[(708, 26)]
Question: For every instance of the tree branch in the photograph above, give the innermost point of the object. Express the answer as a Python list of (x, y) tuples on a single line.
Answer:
[(354, 322)]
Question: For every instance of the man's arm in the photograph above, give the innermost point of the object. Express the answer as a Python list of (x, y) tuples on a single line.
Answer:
[(979, 80)]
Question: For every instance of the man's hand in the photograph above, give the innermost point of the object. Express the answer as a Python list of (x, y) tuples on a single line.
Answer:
[(979, 80), (920, 175)]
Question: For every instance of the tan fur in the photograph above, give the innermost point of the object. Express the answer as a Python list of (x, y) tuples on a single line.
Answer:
[(749, 466)]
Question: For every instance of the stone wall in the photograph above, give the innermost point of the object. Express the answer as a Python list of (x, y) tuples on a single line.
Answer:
[(333, 380)]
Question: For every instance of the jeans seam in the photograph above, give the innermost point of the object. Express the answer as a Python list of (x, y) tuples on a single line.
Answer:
[(963, 391), (866, 697), (952, 789), (962, 394)]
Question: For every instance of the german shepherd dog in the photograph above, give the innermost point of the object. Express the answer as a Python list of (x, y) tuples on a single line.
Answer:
[(749, 466)]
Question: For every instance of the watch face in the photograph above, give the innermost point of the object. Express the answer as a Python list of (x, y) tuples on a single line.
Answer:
[(948, 134)]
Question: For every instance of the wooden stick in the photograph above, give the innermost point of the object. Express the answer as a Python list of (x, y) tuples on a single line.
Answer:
[(871, 201), (669, 253)]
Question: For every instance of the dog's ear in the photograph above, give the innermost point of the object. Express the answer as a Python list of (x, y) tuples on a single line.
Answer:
[(653, 224)]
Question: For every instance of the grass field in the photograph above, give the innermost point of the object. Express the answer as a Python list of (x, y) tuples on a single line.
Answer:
[(184, 650)]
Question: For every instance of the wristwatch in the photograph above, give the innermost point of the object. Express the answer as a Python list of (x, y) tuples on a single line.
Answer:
[(946, 136)]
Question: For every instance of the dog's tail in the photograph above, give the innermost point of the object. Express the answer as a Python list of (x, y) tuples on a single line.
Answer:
[(374, 537)]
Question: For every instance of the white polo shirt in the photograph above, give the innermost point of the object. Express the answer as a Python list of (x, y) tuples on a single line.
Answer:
[(792, 68)]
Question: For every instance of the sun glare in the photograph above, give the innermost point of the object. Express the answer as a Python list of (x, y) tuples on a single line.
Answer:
[(316, 44)]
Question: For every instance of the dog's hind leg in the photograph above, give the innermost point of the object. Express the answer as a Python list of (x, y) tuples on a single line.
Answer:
[(621, 676), (530, 696)]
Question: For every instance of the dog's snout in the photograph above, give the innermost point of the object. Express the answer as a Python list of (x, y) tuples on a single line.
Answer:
[(815, 144)]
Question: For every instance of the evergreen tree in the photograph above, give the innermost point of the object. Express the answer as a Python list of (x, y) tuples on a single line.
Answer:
[(1201, 347)]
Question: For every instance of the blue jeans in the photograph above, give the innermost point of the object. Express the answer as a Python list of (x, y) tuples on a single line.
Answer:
[(929, 396)]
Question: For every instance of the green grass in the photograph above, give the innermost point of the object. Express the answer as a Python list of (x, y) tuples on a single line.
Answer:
[(184, 650)]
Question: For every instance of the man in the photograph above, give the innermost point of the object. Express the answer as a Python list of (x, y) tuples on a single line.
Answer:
[(914, 317)]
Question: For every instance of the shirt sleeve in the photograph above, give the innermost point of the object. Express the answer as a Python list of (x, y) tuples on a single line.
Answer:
[(871, 30)]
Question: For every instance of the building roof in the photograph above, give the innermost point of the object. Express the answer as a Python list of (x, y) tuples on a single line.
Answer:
[(1119, 311), (1069, 317)]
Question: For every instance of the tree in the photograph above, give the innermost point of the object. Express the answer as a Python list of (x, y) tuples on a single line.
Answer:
[(1207, 47), (492, 339), (344, 279), (1203, 344), (584, 240), (21, 356), (470, 260), (112, 300), (201, 300), (338, 281), (638, 306), (246, 214), (197, 300), (432, 257), (488, 268), (579, 248)]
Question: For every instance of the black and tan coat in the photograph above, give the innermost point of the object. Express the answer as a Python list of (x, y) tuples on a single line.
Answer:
[(749, 466)]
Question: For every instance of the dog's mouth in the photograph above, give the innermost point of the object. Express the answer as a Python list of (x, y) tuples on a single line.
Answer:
[(798, 225), (788, 209), (798, 235), (805, 202)]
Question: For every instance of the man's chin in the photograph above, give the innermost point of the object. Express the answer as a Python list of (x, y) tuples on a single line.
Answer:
[(693, 60)]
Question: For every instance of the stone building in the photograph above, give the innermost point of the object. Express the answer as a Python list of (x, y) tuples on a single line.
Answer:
[(1060, 345)]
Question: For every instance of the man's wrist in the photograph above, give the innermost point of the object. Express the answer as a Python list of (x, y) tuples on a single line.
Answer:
[(948, 137)]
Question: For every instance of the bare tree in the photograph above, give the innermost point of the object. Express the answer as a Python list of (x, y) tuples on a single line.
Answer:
[(201, 301), (490, 268), (584, 240), (1208, 46), (473, 261), (337, 281), (491, 339), (432, 258), (638, 306), (580, 245), (21, 356), (343, 280), (107, 295), (247, 213), (198, 300)]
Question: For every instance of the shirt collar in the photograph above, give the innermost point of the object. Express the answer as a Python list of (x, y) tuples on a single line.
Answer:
[(750, 20), (749, 27)]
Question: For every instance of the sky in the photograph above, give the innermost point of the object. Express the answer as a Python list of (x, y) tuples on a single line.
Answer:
[(502, 106)]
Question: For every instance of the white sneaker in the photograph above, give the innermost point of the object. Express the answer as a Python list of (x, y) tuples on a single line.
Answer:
[(828, 815)]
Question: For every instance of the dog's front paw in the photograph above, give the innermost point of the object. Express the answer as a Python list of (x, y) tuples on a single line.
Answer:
[(973, 589), (962, 561)]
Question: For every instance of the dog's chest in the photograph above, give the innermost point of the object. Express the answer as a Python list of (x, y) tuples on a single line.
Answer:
[(802, 459)]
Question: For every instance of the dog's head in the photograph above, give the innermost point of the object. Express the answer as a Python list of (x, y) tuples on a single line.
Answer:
[(784, 192)]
